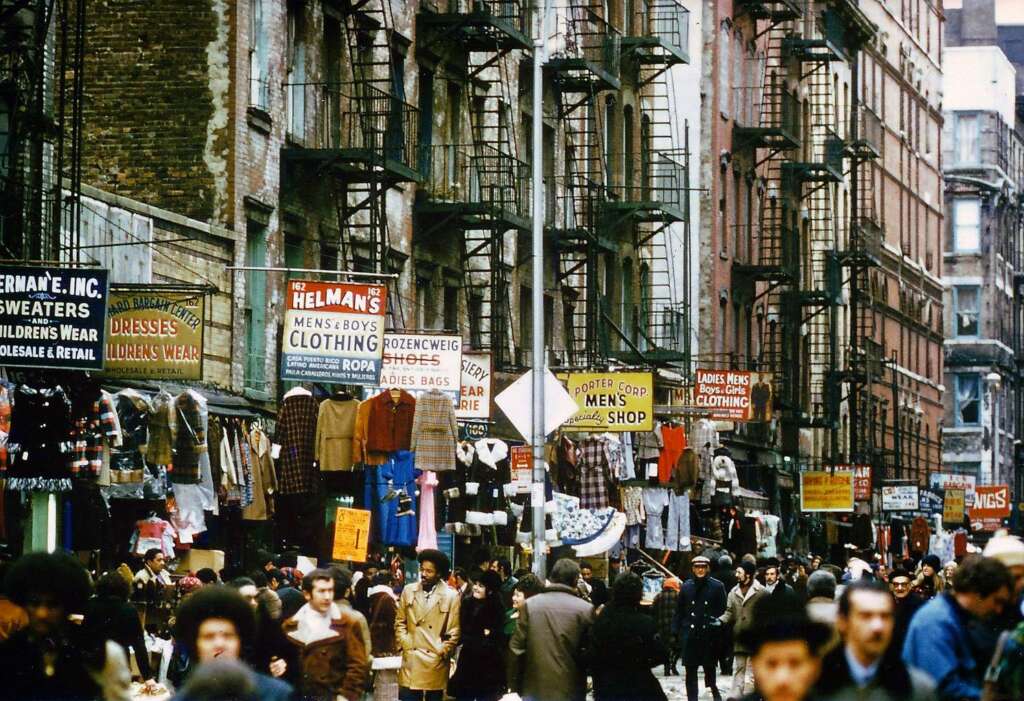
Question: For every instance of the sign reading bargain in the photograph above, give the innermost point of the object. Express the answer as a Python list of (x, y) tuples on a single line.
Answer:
[(155, 333), (333, 332), (611, 401), (734, 395), (826, 491)]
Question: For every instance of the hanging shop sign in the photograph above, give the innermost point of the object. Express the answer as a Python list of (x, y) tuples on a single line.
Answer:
[(862, 482), (953, 505), (946, 481), (333, 332), (900, 497), (611, 401), (155, 333), (930, 501), (823, 490), (351, 534), (521, 464), (475, 395), (52, 317), (420, 362), (734, 395), (991, 506)]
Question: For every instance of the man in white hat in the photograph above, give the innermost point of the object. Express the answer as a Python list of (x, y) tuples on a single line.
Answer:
[(701, 603), (1009, 550)]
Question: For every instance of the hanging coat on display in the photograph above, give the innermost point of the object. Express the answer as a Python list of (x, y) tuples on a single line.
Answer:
[(296, 434), (389, 423), (487, 476), (189, 441), (40, 440), (434, 432), (335, 431)]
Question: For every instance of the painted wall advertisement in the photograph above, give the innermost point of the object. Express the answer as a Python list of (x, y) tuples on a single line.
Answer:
[(52, 317), (333, 332), (419, 362), (611, 401), (823, 490), (733, 395), (991, 506), (900, 497), (475, 396), (155, 333)]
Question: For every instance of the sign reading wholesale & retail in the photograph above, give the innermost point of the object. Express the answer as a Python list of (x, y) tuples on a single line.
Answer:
[(611, 401), (52, 317), (420, 362), (826, 491), (154, 333), (734, 395), (333, 332), (475, 397)]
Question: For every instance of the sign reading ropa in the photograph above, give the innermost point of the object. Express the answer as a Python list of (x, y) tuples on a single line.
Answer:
[(613, 401), (420, 362), (333, 332), (155, 334), (734, 395), (826, 491), (52, 317)]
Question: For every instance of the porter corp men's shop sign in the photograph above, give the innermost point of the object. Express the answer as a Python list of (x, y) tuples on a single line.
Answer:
[(333, 332), (732, 395), (155, 334), (613, 401), (52, 317)]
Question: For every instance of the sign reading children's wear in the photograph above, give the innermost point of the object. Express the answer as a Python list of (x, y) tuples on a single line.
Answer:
[(734, 395), (155, 333), (333, 332), (611, 401), (52, 317)]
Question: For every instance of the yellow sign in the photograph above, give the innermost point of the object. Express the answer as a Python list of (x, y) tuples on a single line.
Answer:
[(826, 491), (953, 506), (155, 334), (611, 401), (351, 534)]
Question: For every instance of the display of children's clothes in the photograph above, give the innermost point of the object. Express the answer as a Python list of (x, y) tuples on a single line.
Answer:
[(674, 438), (189, 437), (434, 432), (390, 491), (296, 434), (40, 442), (95, 432), (335, 430), (152, 532)]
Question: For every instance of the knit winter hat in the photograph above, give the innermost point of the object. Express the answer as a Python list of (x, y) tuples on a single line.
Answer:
[(749, 567), (932, 561)]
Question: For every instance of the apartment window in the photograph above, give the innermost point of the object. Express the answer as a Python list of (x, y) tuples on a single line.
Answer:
[(966, 138), (966, 308), (424, 301), (296, 75), (476, 315), (451, 306), (329, 256), (255, 309), (294, 254), (609, 139), (259, 82), (966, 225), (968, 400)]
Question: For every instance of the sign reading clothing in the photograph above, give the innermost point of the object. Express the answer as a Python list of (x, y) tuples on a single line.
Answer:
[(155, 334), (52, 317), (826, 491), (733, 395), (333, 332), (613, 401), (420, 362)]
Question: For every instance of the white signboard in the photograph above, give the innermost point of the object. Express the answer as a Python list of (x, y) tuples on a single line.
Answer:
[(945, 480), (516, 401), (420, 362), (475, 399), (900, 497)]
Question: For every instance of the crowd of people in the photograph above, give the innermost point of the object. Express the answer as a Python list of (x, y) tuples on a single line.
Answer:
[(792, 630)]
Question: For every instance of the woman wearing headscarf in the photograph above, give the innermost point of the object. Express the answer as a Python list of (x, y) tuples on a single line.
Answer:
[(480, 672)]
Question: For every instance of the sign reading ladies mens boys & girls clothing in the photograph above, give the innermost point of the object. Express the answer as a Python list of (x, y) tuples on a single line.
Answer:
[(823, 490), (333, 332), (155, 334), (611, 401), (420, 362), (734, 395), (52, 317)]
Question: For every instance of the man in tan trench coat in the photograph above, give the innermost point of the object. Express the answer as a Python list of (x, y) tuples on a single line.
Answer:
[(427, 630)]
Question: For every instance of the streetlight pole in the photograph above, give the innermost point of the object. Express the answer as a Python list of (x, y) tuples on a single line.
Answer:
[(537, 488)]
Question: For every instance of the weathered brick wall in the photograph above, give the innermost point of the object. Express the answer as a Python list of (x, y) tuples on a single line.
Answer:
[(148, 103)]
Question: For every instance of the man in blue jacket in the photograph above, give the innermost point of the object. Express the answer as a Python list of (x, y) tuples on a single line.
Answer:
[(937, 641), (701, 603)]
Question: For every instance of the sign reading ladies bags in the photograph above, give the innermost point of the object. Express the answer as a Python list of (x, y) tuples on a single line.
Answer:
[(52, 317), (333, 332), (155, 334), (420, 362), (611, 401)]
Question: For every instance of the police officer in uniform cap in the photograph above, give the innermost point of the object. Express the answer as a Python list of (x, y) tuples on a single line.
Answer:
[(701, 602)]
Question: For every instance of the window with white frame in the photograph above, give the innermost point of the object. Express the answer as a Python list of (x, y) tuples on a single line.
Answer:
[(966, 225), (966, 138), (966, 309), (967, 400)]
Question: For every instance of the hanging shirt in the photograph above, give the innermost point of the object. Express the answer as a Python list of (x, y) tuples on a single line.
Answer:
[(675, 441)]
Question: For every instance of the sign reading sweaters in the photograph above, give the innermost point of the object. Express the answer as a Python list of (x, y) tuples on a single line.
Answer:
[(611, 401), (733, 395), (420, 362), (333, 332), (155, 334), (52, 317)]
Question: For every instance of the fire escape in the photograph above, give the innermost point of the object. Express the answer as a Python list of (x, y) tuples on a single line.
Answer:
[(358, 134), (479, 188)]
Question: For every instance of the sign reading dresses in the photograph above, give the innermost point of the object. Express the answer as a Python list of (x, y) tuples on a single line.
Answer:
[(420, 362), (612, 401), (991, 506), (155, 334), (333, 332), (734, 395), (52, 317), (475, 397), (826, 491)]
